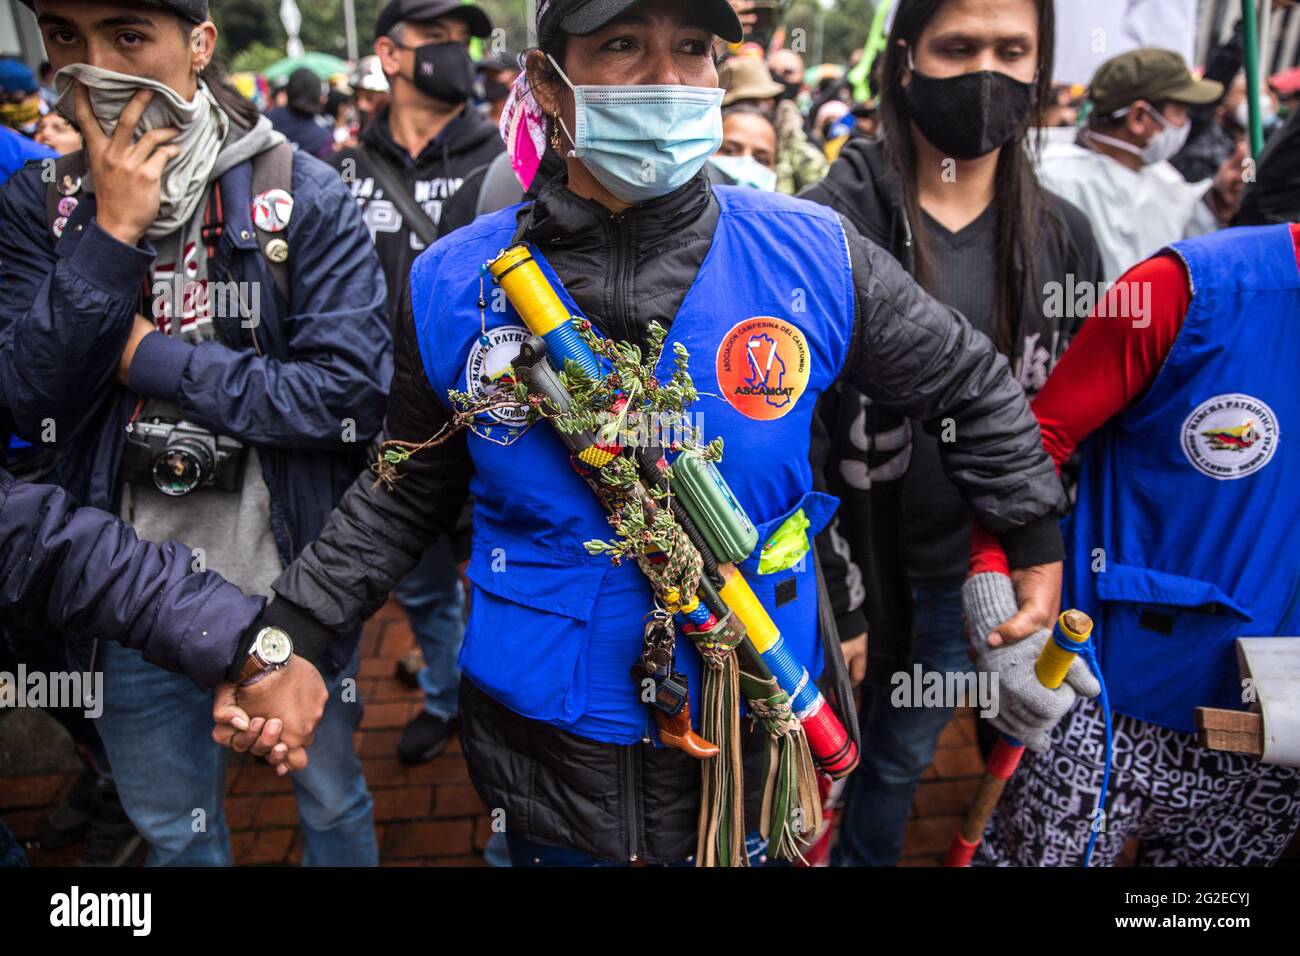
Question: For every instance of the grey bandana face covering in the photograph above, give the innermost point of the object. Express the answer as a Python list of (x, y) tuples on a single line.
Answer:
[(202, 124)]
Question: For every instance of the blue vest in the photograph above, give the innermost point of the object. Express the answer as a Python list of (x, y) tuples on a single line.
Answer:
[(553, 631), (1183, 536)]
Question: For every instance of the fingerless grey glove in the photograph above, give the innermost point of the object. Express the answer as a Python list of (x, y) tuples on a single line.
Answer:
[(1026, 709)]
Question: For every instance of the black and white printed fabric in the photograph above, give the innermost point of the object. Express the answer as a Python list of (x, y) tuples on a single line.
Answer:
[(1185, 804)]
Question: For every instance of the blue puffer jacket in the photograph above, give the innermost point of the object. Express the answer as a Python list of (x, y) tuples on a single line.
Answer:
[(84, 572), (306, 386)]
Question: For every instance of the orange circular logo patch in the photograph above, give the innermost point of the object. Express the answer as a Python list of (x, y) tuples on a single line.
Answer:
[(763, 367)]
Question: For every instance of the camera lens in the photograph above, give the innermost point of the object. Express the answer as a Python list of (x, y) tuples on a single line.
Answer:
[(182, 467)]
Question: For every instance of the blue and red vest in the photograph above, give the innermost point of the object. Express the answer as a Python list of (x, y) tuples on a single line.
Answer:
[(554, 631), (1181, 540)]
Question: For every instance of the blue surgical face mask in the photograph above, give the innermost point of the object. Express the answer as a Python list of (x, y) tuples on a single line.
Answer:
[(746, 171), (642, 142)]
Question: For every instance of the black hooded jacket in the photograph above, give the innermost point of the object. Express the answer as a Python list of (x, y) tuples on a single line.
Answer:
[(625, 270), (1274, 196), (875, 447), (468, 142)]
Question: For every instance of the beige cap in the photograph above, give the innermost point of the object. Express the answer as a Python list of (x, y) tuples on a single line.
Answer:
[(747, 78)]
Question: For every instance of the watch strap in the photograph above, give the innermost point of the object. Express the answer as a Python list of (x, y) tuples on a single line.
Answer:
[(253, 664)]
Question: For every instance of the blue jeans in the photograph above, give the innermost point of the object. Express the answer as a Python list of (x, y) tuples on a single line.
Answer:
[(11, 851), (898, 743), (434, 603), (496, 852), (171, 776), (528, 853)]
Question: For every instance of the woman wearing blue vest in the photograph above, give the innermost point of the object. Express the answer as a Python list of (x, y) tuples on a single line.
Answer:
[(1180, 392), (552, 727)]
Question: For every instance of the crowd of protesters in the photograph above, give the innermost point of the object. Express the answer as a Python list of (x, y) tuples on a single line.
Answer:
[(961, 182)]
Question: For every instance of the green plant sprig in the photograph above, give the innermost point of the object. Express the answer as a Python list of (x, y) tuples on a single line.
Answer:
[(616, 407)]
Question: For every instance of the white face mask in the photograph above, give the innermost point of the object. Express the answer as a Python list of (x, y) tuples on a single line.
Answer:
[(1266, 113), (1163, 146)]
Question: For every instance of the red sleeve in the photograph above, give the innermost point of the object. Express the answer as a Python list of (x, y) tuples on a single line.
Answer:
[(1116, 356)]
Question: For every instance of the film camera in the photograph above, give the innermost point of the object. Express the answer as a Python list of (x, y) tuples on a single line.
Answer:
[(181, 457)]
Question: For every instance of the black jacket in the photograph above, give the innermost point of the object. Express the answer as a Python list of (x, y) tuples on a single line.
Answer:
[(1209, 142), (625, 270), (1274, 196), (468, 142), (873, 443)]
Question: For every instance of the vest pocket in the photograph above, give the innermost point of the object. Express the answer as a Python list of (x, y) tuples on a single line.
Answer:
[(1168, 643), (817, 507), (790, 599), (1291, 615), (790, 596), (530, 619)]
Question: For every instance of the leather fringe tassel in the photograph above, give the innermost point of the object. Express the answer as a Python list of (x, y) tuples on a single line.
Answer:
[(792, 813), (792, 806), (722, 785)]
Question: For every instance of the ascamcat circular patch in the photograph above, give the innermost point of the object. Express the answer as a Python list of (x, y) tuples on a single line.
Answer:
[(1230, 436), (488, 370), (763, 367)]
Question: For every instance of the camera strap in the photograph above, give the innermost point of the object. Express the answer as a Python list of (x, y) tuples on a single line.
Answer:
[(135, 412), (395, 191)]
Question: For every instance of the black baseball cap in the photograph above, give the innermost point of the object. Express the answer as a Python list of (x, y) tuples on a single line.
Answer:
[(421, 11), (196, 11), (584, 17), (499, 61)]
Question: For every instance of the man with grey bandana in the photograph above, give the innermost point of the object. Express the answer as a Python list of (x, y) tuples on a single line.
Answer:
[(155, 294), (234, 530), (202, 129)]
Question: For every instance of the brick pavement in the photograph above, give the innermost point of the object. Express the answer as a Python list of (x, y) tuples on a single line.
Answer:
[(430, 815)]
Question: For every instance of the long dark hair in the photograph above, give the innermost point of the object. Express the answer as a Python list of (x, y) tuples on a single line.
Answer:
[(241, 110), (1021, 204)]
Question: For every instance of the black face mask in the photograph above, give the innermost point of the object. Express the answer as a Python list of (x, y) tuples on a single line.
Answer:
[(494, 90), (970, 115), (444, 71), (791, 91)]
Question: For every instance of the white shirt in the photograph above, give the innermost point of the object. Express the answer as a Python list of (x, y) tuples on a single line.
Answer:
[(1133, 214)]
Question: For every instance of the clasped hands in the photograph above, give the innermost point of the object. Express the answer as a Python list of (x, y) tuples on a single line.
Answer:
[(274, 718)]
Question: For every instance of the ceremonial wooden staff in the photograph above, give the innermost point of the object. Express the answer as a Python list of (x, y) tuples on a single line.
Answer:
[(1073, 628)]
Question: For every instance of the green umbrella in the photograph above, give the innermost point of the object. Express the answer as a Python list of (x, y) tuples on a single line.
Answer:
[(322, 64)]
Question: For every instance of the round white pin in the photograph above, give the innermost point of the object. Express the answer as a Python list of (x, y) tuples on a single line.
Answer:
[(272, 210)]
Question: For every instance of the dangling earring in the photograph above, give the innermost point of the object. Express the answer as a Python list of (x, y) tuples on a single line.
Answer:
[(557, 144)]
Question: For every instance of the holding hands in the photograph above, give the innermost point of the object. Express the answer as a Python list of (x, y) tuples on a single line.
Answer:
[(274, 717)]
